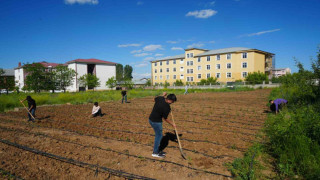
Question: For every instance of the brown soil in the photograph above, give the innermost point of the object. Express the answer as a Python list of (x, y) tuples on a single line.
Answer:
[(215, 129)]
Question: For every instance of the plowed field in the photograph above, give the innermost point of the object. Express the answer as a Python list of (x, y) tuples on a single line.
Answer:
[(64, 143)]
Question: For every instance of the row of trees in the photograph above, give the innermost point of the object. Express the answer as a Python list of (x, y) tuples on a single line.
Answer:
[(6, 82)]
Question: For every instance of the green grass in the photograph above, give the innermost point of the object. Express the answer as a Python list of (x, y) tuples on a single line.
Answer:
[(10, 101)]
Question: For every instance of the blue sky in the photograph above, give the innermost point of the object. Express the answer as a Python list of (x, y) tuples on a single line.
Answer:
[(137, 31)]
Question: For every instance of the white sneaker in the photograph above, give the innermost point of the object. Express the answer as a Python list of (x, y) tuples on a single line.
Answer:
[(158, 155)]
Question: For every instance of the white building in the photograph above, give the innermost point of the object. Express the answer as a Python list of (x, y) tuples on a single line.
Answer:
[(280, 72), (102, 69)]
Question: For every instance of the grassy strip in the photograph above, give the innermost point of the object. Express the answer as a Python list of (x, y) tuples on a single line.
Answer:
[(11, 101)]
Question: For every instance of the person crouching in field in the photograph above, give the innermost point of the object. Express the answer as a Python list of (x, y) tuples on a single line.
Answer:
[(161, 110), (32, 106), (96, 110), (277, 104), (124, 95)]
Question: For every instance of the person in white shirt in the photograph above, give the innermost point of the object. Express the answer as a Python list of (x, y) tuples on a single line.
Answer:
[(96, 110)]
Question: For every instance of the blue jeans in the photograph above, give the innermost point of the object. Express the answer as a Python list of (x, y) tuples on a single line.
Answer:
[(33, 112), (157, 127), (124, 98)]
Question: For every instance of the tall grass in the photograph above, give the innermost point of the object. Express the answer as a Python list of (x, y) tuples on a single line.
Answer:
[(11, 101)]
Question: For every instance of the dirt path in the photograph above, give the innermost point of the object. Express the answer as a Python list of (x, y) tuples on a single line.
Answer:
[(215, 129)]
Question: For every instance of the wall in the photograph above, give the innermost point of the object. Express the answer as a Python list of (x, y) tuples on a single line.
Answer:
[(104, 72), (19, 72)]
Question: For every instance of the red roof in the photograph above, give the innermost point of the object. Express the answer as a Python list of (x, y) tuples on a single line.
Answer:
[(46, 64), (91, 61)]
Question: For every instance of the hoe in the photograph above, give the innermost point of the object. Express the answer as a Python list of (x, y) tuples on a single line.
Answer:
[(180, 147)]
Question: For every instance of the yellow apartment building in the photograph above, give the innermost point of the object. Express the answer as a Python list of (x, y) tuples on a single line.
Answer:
[(227, 65)]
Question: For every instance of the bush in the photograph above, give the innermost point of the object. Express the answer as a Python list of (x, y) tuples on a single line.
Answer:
[(257, 78)]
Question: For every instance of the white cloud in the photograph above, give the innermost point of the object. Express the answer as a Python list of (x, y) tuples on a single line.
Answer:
[(152, 47), (211, 3), (176, 48), (263, 32), (94, 2), (205, 13), (141, 64), (172, 42), (142, 54), (158, 55), (128, 45), (139, 3), (149, 59), (136, 51), (141, 75), (212, 42), (195, 45)]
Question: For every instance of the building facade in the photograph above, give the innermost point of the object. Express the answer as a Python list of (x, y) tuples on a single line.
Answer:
[(227, 65), (102, 69), (280, 72)]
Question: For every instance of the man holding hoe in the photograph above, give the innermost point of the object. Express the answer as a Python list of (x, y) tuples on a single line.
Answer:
[(161, 109), (31, 107)]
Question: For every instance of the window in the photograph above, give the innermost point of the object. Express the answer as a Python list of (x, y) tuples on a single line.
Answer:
[(228, 65), (160, 63), (189, 63), (199, 76), (208, 67), (181, 68), (244, 55), (155, 78), (191, 55), (244, 74), (218, 66), (167, 62), (199, 68), (229, 56), (187, 55), (174, 69), (161, 70), (244, 65), (181, 61), (155, 64), (189, 79), (167, 77), (228, 74), (174, 61), (174, 76), (167, 69), (181, 76), (155, 71), (208, 58), (208, 75), (217, 75), (161, 77), (199, 59), (189, 71), (218, 57)]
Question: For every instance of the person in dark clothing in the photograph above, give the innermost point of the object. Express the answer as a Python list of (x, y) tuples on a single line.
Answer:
[(161, 110), (32, 106), (277, 104), (124, 95), (96, 110)]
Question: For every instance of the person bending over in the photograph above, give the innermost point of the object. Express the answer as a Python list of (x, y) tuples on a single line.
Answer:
[(96, 110), (277, 104), (124, 95), (32, 106), (161, 110)]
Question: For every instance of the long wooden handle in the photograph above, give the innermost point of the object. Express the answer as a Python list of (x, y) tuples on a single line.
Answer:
[(177, 134), (27, 109)]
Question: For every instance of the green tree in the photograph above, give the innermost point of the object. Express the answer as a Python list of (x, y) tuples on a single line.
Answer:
[(35, 79), (257, 78), (127, 73), (148, 83), (89, 80), (166, 84), (64, 77), (50, 82), (111, 83), (7, 83), (128, 84), (178, 83), (119, 72)]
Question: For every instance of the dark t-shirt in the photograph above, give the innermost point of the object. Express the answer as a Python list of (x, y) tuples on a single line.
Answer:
[(123, 93), (32, 102), (160, 110)]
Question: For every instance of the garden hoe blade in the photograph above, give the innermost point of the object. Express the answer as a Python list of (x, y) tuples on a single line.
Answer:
[(180, 147)]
